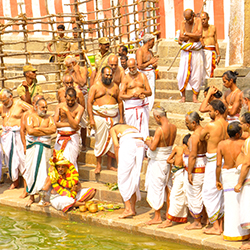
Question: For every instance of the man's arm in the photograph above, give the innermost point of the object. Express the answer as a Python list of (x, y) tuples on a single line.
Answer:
[(147, 91), (216, 46), (204, 132), (204, 105), (30, 127), (25, 106), (140, 64), (81, 99), (120, 107), (219, 165), (74, 122), (92, 78), (193, 147), (236, 105), (51, 129), (153, 143), (91, 98), (116, 143), (57, 118), (49, 47), (182, 37), (78, 78), (22, 131), (170, 159), (198, 33)]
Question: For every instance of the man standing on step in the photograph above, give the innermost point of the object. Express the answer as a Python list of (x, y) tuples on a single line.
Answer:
[(39, 127), (11, 112), (191, 69), (159, 171), (214, 132), (147, 64), (246, 99), (67, 118), (210, 45), (104, 106), (28, 88), (134, 91)]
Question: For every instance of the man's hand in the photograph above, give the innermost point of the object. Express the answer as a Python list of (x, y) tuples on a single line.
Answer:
[(237, 188), (218, 60), (219, 185), (212, 90), (64, 109), (76, 188), (25, 84), (190, 179), (153, 60), (76, 68), (141, 96), (92, 123)]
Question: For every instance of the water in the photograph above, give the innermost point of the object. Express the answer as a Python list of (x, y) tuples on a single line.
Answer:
[(27, 230)]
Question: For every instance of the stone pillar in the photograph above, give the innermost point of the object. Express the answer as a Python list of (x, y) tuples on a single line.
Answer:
[(246, 60)]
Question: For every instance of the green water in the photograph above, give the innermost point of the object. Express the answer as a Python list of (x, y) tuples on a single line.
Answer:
[(27, 230)]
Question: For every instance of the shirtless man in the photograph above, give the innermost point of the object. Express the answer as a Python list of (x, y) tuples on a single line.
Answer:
[(190, 34), (39, 127), (246, 99), (232, 98), (11, 112), (67, 118), (229, 150), (147, 63), (178, 210), (196, 169), (129, 151), (104, 104), (134, 91), (210, 44), (214, 132), (117, 71), (158, 171)]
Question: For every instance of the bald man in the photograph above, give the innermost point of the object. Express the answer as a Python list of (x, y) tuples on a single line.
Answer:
[(211, 46), (134, 92), (191, 69)]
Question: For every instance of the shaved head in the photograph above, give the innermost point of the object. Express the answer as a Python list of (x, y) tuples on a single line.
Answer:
[(131, 62), (113, 62), (188, 12), (132, 66)]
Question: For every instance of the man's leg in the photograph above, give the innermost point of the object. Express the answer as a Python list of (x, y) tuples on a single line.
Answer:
[(14, 184), (156, 219), (195, 98), (30, 201), (183, 96), (215, 230), (129, 208), (195, 225), (98, 165), (24, 194), (110, 167)]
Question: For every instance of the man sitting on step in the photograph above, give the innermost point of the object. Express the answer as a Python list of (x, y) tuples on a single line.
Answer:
[(67, 118), (134, 91)]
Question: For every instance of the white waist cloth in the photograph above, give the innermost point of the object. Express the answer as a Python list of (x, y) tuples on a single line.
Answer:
[(37, 157), (103, 140), (137, 114), (212, 197), (209, 55), (178, 203), (157, 176), (245, 203), (232, 118), (191, 69), (194, 192), (150, 74), (130, 156), (232, 228), (71, 150), (14, 152)]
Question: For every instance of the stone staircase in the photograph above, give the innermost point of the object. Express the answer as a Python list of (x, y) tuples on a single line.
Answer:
[(167, 96)]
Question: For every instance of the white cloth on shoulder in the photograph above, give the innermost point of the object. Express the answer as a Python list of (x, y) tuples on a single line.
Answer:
[(37, 157), (71, 150), (130, 158), (233, 118), (14, 152), (191, 69), (157, 176), (150, 74), (209, 55), (104, 121), (212, 197), (136, 113), (232, 229)]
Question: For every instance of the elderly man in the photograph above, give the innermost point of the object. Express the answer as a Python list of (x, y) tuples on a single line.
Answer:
[(134, 91), (39, 127), (209, 40), (11, 112), (147, 64), (67, 117), (191, 69), (101, 59), (104, 105), (27, 89), (63, 178), (246, 99), (124, 64)]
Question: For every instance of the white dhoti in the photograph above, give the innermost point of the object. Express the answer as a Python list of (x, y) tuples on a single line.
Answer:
[(150, 74), (245, 203), (37, 157), (68, 141), (232, 229), (212, 197), (130, 157), (191, 69), (178, 210), (137, 114), (105, 117), (194, 192), (64, 203), (157, 176), (210, 57), (233, 118), (14, 152)]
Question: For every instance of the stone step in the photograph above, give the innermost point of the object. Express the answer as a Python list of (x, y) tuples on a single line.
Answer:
[(166, 84), (31, 56), (168, 48)]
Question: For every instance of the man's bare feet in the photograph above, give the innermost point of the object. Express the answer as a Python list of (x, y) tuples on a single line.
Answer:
[(212, 231), (30, 201), (14, 185), (126, 213), (98, 170), (166, 223), (245, 246), (112, 168), (183, 99), (195, 99), (24, 194), (83, 148), (154, 221), (193, 226)]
